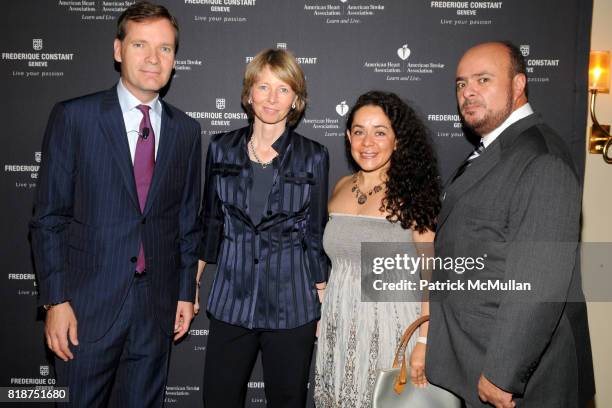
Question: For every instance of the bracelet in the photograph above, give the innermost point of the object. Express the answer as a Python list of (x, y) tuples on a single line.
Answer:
[(422, 340), (50, 306)]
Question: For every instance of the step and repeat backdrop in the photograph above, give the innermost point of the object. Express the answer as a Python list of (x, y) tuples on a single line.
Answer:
[(54, 49)]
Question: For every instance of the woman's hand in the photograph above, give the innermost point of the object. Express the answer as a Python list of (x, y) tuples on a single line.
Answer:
[(196, 304), (417, 366)]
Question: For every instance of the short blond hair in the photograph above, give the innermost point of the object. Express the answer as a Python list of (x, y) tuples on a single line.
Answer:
[(282, 64)]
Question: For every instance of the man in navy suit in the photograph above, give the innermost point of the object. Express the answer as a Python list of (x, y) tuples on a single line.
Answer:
[(115, 228)]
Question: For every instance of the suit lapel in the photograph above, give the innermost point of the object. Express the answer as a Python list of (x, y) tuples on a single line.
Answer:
[(167, 142), (482, 165), (472, 175), (113, 128)]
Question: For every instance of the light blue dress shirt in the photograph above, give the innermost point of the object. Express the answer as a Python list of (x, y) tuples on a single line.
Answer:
[(132, 116)]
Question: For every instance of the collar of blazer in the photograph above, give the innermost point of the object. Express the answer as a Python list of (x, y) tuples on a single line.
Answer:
[(113, 128), (480, 167), (280, 145)]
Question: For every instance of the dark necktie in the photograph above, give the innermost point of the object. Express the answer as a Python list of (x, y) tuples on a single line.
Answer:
[(144, 163), (473, 156)]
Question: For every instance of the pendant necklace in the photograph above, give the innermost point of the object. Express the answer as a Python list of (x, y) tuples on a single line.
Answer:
[(360, 195)]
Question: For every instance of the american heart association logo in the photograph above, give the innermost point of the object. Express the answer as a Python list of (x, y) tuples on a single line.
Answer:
[(342, 108), (403, 52)]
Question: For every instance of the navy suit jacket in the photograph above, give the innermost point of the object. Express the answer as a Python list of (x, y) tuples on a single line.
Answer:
[(87, 224)]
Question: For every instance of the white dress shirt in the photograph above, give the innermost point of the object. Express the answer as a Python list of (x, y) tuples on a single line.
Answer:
[(132, 117), (515, 116)]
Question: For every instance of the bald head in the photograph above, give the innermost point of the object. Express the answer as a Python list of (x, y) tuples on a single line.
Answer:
[(488, 87)]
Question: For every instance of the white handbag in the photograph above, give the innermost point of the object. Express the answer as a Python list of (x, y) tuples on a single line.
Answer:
[(393, 390)]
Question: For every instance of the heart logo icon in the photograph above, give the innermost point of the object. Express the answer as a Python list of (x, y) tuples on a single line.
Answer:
[(342, 1), (342, 108), (403, 52)]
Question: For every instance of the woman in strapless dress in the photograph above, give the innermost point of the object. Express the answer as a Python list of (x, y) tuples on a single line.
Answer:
[(393, 196)]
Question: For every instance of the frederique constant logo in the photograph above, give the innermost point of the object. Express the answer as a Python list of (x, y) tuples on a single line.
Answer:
[(34, 58), (403, 52), (524, 48), (217, 118), (342, 108), (281, 45), (538, 68), (37, 44), (44, 370), (37, 156)]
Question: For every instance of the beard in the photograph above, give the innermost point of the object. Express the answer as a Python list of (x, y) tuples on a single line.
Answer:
[(490, 120)]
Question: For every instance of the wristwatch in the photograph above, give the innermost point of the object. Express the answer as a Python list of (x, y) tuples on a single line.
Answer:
[(50, 306)]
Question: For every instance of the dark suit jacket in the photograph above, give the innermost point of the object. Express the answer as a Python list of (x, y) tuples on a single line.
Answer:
[(87, 225), (266, 272), (518, 203)]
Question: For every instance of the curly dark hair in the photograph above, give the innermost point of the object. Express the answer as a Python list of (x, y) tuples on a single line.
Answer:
[(412, 194)]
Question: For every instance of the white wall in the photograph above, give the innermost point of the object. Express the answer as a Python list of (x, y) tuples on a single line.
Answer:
[(597, 216)]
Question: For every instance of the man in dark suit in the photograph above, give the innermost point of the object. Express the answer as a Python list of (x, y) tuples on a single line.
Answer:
[(115, 226), (515, 203)]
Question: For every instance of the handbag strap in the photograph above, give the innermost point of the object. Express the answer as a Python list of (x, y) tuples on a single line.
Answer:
[(402, 378)]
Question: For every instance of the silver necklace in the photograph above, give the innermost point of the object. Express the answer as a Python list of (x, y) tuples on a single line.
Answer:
[(252, 147)]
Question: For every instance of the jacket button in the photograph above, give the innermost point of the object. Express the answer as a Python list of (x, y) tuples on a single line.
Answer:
[(256, 232), (144, 220), (256, 261), (133, 259), (269, 212)]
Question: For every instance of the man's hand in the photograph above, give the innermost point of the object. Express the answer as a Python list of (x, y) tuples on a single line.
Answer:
[(417, 366), (184, 315), (61, 325), (489, 392)]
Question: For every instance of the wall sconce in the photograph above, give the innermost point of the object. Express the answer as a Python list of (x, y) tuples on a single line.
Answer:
[(600, 141)]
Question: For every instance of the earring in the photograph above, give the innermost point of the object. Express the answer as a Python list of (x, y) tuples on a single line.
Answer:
[(250, 101), (293, 105)]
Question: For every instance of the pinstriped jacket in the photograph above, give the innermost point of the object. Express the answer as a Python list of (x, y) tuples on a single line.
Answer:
[(87, 225), (266, 272)]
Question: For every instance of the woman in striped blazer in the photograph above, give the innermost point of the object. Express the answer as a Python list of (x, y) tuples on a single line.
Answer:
[(264, 211)]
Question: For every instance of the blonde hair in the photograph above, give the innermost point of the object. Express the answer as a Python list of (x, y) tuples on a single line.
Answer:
[(282, 64)]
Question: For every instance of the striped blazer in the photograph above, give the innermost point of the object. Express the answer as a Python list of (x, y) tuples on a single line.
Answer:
[(87, 225), (266, 272)]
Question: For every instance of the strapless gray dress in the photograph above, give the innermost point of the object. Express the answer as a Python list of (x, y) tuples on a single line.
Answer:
[(356, 338)]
